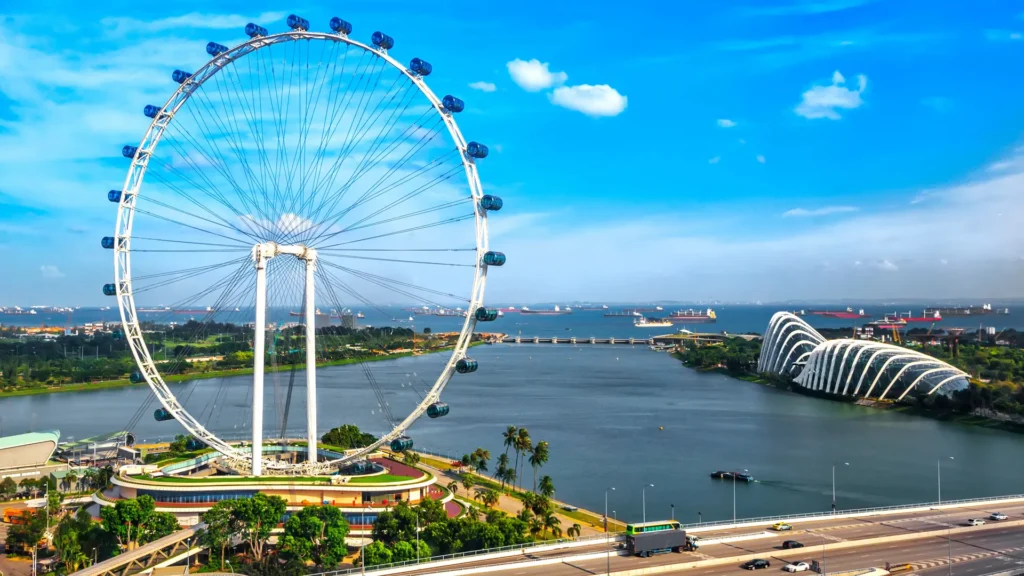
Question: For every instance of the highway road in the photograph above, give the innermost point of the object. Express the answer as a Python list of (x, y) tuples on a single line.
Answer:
[(986, 550)]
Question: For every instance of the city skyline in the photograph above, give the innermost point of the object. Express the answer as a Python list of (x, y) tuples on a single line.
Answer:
[(793, 151)]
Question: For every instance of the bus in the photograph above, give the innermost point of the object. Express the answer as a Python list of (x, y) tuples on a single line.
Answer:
[(644, 527)]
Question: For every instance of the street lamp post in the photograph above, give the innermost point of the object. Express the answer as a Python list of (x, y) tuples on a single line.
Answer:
[(834, 486), (938, 471), (608, 555), (673, 508), (643, 495), (700, 518), (734, 495)]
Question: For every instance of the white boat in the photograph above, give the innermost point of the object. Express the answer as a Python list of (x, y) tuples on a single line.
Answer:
[(652, 322)]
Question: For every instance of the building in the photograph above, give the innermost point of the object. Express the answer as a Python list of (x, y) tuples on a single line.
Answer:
[(28, 455)]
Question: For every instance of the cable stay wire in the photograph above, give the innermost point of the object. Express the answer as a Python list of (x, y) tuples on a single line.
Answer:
[(392, 281), (403, 231)]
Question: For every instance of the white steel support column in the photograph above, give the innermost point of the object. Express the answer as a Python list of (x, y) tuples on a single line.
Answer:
[(311, 436), (260, 327)]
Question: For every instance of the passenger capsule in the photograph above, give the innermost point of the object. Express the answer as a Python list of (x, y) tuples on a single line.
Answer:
[(107, 242), (255, 30), (485, 314), (437, 410), (129, 151), (298, 23), (214, 49), (151, 111), (162, 415), (340, 26), (476, 150), (180, 76), (466, 365), (136, 377), (382, 41), (420, 67), (114, 195), (359, 467), (401, 444), (194, 444), (109, 290), (453, 104), (494, 258), (489, 202)]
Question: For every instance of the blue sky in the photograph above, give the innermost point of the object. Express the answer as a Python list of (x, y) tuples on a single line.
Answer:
[(737, 150)]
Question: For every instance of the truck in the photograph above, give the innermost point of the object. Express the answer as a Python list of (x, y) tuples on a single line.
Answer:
[(660, 542)]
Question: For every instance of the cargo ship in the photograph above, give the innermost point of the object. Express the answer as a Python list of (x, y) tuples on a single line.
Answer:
[(153, 310), (849, 314), (967, 311), (556, 312), (888, 323), (924, 317), (652, 322), (318, 313), (593, 308), (694, 316), (206, 310), (629, 313), (655, 309)]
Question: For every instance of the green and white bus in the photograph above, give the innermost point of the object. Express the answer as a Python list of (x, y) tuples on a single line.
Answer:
[(645, 527)]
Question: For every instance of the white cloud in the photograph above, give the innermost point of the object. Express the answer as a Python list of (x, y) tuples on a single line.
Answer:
[(50, 271), (714, 160), (192, 20), (886, 265), (760, 158), (1004, 35), (725, 123), (825, 101), (824, 211), (600, 100), (534, 75), (483, 86)]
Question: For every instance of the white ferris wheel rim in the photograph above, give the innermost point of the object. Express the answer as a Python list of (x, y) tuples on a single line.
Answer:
[(122, 255)]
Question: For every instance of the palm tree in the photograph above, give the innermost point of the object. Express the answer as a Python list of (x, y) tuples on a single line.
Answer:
[(72, 479), (525, 447), (521, 435), (482, 455), (551, 522), (467, 482), (547, 486), (536, 526), (556, 531), (453, 487), (574, 531), (528, 498), (538, 458), (510, 476), (509, 436), (489, 498), (502, 470), (525, 515)]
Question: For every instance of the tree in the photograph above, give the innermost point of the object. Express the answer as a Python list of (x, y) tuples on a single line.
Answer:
[(376, 553), (258, 515), (135, 522), (547, 486), (8, 487), (68, 539), (467, 482), (54, 500), (453, 487), (221, 525), (411, 458), (502, 471), (574, 531), (347, 436), (24, 537), (179, 445), (538, 458), (551, 522), (524, 447), (488, 497), (72, 480), (481, 457), (406, 550), (316, 533)]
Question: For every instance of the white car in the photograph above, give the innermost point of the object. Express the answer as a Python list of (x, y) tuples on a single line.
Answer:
[(998, 516), (796, 567), (975, 521)]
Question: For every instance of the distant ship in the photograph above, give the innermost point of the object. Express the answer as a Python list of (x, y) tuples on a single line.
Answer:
[(694, 316), (934, 317), (17, 311), (591, 308), (622, 313), (652, 322), (318, 313), (360, 315), (888, 323), (154, 310), (848, 314), (194, 310), (556, 312), (968, 311), (655, 309)]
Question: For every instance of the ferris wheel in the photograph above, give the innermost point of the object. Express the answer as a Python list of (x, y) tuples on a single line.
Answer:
[(285, 181)]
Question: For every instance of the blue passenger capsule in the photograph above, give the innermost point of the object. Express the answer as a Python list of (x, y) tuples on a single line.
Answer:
[(107, 242), (466, 365), (136, 377), (453, 104), (437, 410), (485, 314), (420, 67), (476, 150), (340, 26), (194, 444), (489, 202), (213, 49), (401, 444), (180, 76), (382, 41), (129, 151), (109, 290), (494, 258), (297, 22), (114, 195), (255, 30), (151, 111), (162, 415)]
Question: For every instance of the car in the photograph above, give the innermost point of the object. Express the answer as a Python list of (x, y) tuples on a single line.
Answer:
[(975, 521), (790, 544), (781, 527), (756, 564), (998, 516), (797, 567)]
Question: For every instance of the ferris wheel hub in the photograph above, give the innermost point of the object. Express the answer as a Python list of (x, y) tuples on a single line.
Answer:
[(267, 250)]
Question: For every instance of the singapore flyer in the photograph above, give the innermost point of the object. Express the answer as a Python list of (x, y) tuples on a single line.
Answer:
[(288, 182)]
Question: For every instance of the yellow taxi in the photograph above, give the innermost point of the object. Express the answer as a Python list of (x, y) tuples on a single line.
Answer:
[(781, 527)]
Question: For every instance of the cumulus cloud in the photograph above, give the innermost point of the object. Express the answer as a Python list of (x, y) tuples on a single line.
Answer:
[(885, 265), (483, 86), (192, 20), (760, 158), (823, 211), (50, 271), (600, 100), (534, 75), (725, 123), (826, 101), (715, 160)]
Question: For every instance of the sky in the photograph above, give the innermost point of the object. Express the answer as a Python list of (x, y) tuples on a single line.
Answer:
[(737, 150)]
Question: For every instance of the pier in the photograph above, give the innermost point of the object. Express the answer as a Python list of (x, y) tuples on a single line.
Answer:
[(663, 340)]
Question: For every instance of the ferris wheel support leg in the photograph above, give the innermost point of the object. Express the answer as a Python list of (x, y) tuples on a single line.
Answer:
[(258, 345), (311, 436)]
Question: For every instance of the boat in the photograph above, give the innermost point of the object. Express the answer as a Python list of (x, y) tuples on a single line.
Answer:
[(206, 310), (966, 311), (654, 309), (738, 476), (643, 322), (318, 313), (630, 313), (153, 310), (888, 323), (934, 317), (360, 315), (594, 308), (694, 316), (721, 475), (847, 314), (556, 312)]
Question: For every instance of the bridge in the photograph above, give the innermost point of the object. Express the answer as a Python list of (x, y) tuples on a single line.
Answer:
[(172, 549), (663, 340)]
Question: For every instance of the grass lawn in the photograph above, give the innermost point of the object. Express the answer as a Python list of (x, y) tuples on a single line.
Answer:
[(381, 478)]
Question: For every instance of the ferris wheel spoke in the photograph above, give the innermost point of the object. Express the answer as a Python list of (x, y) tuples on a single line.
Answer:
[(185, 270), (404, 231), (386, 282), (180, 223), (168, 240), (331, 281), (185, 275), (361, 223), (181, 192)]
